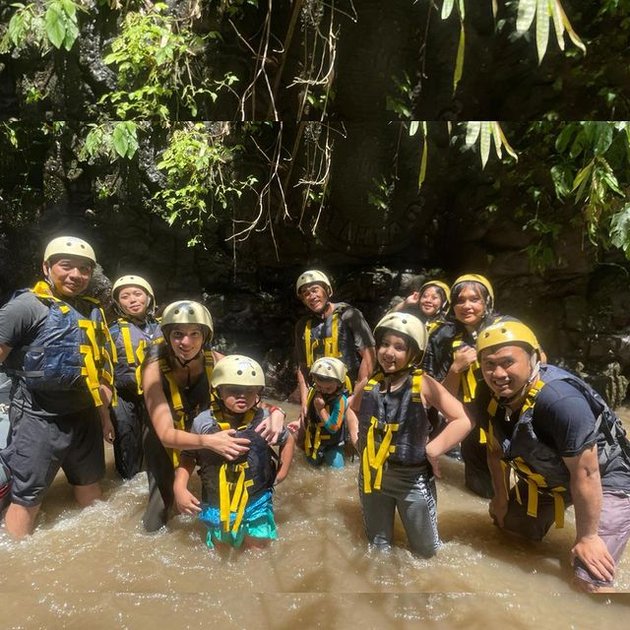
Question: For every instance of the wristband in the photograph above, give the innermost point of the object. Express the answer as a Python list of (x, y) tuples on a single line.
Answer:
[(275, 408)]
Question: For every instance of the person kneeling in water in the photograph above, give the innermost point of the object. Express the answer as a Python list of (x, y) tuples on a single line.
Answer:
[(236, 504), (327, 406)]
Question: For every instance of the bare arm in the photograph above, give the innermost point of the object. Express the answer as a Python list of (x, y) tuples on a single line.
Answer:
[(303, 388), (4, 351), (353, 426), (223, 442), (286, 457), (186, 502), (459, 425), (586, 492), (500, 477)]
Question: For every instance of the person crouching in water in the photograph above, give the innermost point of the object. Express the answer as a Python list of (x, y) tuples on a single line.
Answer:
[(327, 406), (236, 504), (393, 437), (133, 332)]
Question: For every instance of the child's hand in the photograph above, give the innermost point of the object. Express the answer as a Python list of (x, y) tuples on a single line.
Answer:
[(318, 402), (186, 502), (294, 426)]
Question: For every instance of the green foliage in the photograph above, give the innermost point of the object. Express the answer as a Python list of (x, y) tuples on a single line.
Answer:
[(110, 140), (154, 57), (401, 103), (541, 12), (53, 22), (200, 179)]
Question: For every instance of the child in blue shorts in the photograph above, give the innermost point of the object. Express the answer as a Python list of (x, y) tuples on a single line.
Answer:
[(236, 504), (327, 407)]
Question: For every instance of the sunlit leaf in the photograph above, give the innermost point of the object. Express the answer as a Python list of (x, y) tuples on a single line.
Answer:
[(572, 34), (542, 28), (447, 8), (472, 132), (558, 23), (525, 16), (55, 21), (413, 127), (484, 142), (459, 61), (423, 163)]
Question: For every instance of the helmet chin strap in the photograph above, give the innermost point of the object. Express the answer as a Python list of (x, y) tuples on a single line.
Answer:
[(504, 402)]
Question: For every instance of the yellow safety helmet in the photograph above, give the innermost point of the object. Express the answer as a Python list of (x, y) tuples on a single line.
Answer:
[(313, 276), (406, 324), (188, 312), (132, 281), (507, 333), (69, 246), (440, 285), (475, 277), (236, 369), (330, 367)]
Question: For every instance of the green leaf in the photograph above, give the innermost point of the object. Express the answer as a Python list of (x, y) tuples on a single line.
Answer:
[(542, 28), (459, 61), (55, 20), (525, 17), (620, 230), (473, 128), (423, 164), (413, 127), (447, 8), (558, 23), (484, 142), (124, 139)]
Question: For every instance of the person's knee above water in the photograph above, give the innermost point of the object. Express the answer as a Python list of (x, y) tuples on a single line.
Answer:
[(563, 444), (236, 504), (325, 421), (393, 436), (55, 345), (329, 329), (133, 332)]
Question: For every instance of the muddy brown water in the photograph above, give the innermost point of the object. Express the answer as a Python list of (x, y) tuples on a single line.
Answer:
[(96, 568)]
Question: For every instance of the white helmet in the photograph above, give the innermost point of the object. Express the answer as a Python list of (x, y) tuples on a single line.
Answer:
[(69, 246)]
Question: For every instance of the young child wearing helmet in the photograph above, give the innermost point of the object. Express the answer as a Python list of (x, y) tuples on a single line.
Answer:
[(429, 302), (135, 329), (393, 437), (324, 426), (236, 504)]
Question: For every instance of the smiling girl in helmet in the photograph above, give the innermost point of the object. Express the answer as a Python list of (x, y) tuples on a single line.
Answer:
[(236, 502), (394, 437), (430, 302), (135, 329)]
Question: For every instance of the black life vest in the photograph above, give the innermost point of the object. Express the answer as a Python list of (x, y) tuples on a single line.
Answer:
[(541, 467), (399, 440), (131, 343)]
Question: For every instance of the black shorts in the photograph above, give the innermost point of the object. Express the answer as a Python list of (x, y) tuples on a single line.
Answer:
[(39, 447)]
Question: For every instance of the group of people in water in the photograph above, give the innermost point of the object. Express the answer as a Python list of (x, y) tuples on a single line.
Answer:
[(442, 372)]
